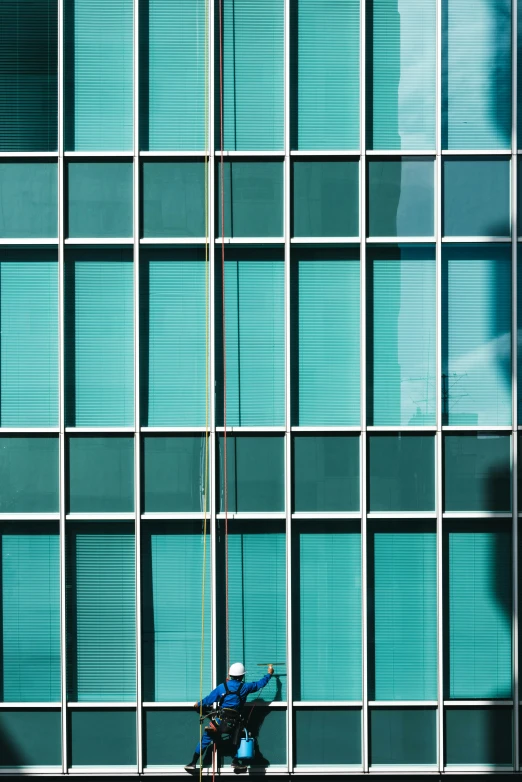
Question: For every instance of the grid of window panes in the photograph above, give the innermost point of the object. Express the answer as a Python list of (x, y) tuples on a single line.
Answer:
[(363, 319)]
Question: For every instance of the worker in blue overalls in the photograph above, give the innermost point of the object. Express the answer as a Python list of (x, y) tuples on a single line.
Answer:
[(230, 697)]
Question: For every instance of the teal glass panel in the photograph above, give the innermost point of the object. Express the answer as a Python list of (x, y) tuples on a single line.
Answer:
[(253, 198), (477, 472), (99, 200), (173, 337), (101, 474), (476, 196), (252, 54), (99, 338), (402, 611), (268, 728), (476, 74), (326, 472), (327, 555), (400, 75), (400, 197), (476, 335), (102, 737), (30, 738), (29, 474), (29, 76), (100, 612), (28, 338), (401, 472), (254, 473), (168, 733), (325, 736), (173, 596), (98, 75), (30, 613), (325, 337), (173, 475), (477, 598), (172, 74), (401, 336), (325, 198), (403, 737), (254, 338), (257, 611), (478, 736), (28, 200), (173, 199), (324, 75)]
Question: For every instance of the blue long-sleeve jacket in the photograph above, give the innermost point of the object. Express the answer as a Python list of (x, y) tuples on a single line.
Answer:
[(237, 693)]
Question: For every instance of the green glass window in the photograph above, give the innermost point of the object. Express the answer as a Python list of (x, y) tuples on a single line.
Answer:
[(401, 304), (28, 338), (325, 736), (328, 557), (253, 198), (101, 474), (476, 75), (257, 616), (30, 738), (325, 198), (402, 611), (28, 200), (99, 338), (255, 473), (326, 472), (519, 317), (29, 474), (325, 337), (172, 74), (167, 734), (30, 612), (173, 199), (476, 196), (99, 200), (400, 196), (29, 76), (172, 601), (400, 737), (401, 472), (102, 737), (101, 615), (324, 75), (173, 476), (477, 589), (477, 472), (253, 75), (254, 338), (476, 335), (478, 736), (400, 76), (98, 74)]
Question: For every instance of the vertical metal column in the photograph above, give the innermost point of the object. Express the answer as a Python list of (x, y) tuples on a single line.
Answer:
[(514, 370)]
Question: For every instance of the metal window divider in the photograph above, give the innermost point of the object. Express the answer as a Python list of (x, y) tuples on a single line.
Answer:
[(514, 384)]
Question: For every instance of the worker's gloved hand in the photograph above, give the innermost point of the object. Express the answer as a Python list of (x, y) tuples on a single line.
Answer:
[(196, 706), (270, 669)]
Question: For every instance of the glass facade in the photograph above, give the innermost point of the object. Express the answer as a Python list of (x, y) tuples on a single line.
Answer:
[(259, 381)]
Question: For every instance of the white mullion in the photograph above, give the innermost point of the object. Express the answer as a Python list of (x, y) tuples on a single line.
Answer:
[(212, 330), (362, 364), (514, 372)]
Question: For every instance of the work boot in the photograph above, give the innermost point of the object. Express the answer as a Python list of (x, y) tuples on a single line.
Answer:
[(236, 763), (192, 766)]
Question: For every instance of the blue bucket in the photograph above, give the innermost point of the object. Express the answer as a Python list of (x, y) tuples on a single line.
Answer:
[(246, 748)]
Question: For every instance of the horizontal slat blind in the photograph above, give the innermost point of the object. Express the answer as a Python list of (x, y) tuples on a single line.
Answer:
[(476, 336), (479, 612), (173, 341), (31, 615), (404, 597), (99, 342), (172, 604), (401, 338), (28, 338), (101, 616), (253, 75), (325, 74), (330, 613), (173, 78), (29, 76), (257, 607), (98, 73), (401, 74), (326, 340), (476, 74)]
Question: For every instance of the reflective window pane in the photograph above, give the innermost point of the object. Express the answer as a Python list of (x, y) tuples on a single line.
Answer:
[(324, 198), (400, 197), (476, 197)]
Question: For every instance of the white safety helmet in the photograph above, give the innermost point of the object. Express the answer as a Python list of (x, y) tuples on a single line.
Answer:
[(236, 669)]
